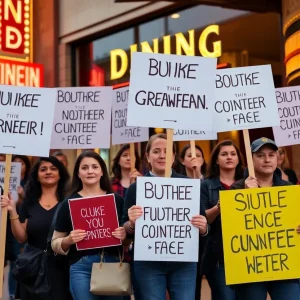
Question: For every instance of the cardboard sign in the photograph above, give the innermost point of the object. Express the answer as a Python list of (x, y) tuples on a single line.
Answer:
[(121, 133), (164, 232), (171, 91), (245, 99), (288, 133), (98, 216), (26, 118), (259, 234), (82, 118), (15, 178), (197, 135)]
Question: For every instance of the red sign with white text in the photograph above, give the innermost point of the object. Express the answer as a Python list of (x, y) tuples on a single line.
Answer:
[(98, 217), (15, 22)]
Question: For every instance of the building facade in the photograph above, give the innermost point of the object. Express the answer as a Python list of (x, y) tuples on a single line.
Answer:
[(95, 42)]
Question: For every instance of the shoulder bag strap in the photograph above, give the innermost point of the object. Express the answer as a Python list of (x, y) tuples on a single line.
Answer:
[(51, 229)]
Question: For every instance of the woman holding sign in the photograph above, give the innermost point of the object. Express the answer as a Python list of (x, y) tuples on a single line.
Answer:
[(225, 167), (90, 178), (121, 169), (154, 278), (46, 187)]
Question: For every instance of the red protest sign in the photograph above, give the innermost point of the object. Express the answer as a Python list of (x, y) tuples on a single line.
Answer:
[(98, 217)]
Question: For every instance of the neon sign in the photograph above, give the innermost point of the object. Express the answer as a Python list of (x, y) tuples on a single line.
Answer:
[(16, 51), (119, 60)]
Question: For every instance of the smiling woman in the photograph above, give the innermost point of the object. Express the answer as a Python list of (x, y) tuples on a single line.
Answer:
[(45, 188)]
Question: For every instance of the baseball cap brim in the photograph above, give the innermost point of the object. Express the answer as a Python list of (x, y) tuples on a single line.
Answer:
[(265, 144)]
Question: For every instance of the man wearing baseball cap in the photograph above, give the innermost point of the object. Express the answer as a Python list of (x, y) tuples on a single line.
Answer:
[(264, 154)]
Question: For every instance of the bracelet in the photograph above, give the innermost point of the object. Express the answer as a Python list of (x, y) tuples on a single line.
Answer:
[(15, 218)]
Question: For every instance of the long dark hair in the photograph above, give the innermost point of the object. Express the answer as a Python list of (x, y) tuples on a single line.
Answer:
[(27, 163), (213, 167), (33, 188), (116, 168), (180, 168), (105, 184)]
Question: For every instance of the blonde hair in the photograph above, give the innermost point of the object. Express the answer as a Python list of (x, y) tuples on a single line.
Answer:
[(285, 163)]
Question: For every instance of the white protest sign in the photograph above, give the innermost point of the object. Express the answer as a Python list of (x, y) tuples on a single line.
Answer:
[(15, 178), (122, 134), (245, 99), (171, 91), (164, 232), (288, 133), (26, 118), (82, 118), (190, 135)]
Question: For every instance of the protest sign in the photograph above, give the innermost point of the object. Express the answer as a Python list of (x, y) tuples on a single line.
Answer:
[(171, 91), (260, 241), (189, 135), (15, 178), (288, 133), (26, 118), (164, 232), (245, 99), (98, 217), (121, 133), (82, 118)]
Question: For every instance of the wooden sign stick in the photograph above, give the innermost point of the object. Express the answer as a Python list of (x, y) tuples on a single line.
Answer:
[(248, 152), (78, 152), (169, 154), (193, 152), (132, 157), (97, 150), (4, 220)]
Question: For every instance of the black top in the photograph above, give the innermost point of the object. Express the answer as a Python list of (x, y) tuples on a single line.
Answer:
[(210, 190), (38, 224), (277, 180), (64, 224), (291, 175), (130, 198)]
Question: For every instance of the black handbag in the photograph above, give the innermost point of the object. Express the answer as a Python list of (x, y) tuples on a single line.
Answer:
[(31, 268)]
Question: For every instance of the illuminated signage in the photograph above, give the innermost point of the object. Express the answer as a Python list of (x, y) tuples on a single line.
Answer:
[(97, 76), (119, 60), (21, 73), (16, 55)]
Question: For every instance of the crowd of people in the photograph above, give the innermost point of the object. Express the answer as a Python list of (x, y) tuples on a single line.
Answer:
[(43, 200)]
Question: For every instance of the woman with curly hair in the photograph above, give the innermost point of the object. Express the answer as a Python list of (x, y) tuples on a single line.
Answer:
[(45, 188)]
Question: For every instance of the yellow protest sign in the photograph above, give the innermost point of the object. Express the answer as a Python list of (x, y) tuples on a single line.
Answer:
[(259, 234)]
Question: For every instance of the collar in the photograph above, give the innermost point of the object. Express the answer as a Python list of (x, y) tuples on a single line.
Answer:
[(153, 175)]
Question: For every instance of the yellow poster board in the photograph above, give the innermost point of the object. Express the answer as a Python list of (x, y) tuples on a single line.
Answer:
[(259, 234)]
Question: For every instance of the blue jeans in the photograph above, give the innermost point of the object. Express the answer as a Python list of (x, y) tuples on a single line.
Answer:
[(80, 278), (154, 278), (278, 290), (217, 284)]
